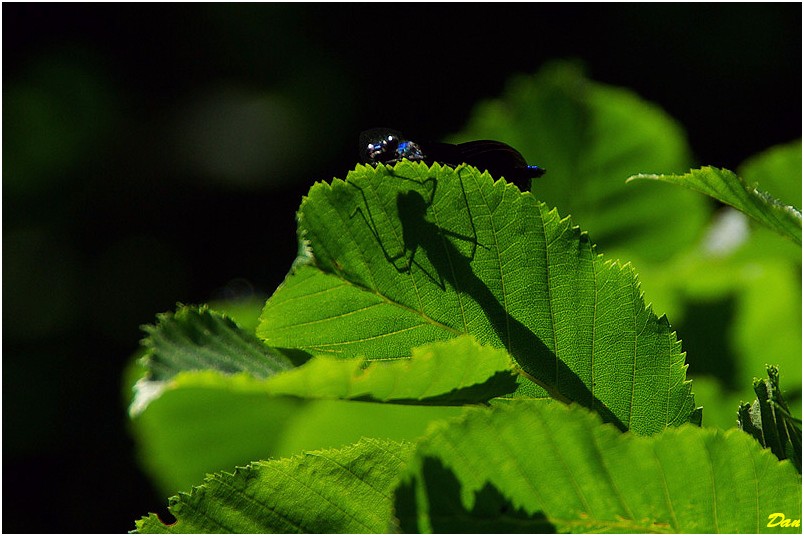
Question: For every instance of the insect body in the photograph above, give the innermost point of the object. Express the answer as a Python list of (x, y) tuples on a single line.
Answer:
[(382, 145)]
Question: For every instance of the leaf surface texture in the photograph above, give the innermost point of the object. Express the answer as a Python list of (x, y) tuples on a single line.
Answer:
[(557, 467), (397, 257)]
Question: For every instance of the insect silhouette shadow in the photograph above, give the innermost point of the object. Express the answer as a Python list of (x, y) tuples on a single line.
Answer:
[(453, 268), (412, 210)]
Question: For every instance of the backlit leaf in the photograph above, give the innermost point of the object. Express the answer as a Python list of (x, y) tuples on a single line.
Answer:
[(397, 257), (335, 491), (557, 467)]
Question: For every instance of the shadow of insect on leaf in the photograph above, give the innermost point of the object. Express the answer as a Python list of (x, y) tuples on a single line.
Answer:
[(444, 264), (419, 232)]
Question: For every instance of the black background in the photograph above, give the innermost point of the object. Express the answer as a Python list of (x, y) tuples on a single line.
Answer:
[(105, 224)]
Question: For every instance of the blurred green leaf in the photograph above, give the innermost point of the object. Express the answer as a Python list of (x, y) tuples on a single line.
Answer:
[(557, 465), (193, 430), (740, 310), (767, 323), (590, 137), (244, 310), (736, 297), (776, 170), (757, 278), (395, 257), (718, 402), (185, 433), (725, 186), (335, 491)]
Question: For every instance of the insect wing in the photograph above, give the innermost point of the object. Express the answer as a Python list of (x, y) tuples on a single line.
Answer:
[(500, 159), (443, 153), (492, 154)]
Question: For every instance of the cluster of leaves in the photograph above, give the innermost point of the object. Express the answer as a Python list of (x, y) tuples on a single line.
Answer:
[(768, 419), (449, 354)]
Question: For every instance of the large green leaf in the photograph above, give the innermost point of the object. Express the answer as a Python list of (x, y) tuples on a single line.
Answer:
[(335, 491), (396, 257), (731, 189), (548, 466)]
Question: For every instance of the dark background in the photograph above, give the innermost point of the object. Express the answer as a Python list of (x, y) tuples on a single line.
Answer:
[(156, 153)]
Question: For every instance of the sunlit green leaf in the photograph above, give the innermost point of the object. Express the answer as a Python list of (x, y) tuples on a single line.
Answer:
[(450, 372), (557, 467), (396, 257), (455, 371), (335, 491)]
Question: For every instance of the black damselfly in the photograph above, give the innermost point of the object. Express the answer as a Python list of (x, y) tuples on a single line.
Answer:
[(387, 146)]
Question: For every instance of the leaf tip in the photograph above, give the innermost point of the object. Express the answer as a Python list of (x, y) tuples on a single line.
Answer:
[(642, 176)]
